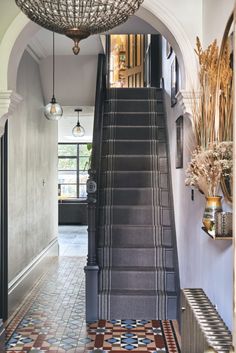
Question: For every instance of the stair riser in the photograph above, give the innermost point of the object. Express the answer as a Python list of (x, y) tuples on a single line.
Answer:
[(135, 179), (135, 216), (137, 280), (140, 307), (134, 148), (135, 257), (132, 93), (134, 133), (134, 119), (132, 106), (135, 163), (137, 197), (130, 236)]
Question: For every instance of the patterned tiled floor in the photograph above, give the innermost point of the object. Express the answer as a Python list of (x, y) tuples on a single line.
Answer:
[(52, 320), (132, 335)]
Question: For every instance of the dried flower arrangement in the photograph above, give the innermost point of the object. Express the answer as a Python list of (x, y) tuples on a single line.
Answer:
[(212, 120), (208, 165), (213, 111)]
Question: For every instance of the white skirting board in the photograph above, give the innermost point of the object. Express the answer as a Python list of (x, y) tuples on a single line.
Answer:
[(20, 286)]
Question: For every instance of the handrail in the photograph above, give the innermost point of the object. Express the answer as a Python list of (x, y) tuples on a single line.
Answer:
[(94, 172)]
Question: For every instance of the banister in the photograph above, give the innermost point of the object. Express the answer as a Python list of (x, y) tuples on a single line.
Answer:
[(93, 184)]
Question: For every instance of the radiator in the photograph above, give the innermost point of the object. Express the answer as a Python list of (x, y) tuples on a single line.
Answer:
[(202, 328)]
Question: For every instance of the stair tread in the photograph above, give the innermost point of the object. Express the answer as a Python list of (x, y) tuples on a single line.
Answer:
[(129, 188), (138, 292), (139, 269), (134, 226), (133, 100), (132, 141), (135, 247), (133, 127), (131, 156), (135, 171), (136, 113), (135, 206), (135, 89)]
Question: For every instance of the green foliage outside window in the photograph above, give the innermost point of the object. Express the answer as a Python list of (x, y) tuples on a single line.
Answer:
[(73, 164)]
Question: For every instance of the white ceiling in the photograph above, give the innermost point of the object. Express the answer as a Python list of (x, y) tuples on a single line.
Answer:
[(41, 44)]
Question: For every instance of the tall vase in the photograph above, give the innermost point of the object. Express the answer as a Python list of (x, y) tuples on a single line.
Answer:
[(213, 205)]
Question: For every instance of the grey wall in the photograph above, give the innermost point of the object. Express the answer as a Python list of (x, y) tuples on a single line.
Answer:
[(203, 262), (75, 79), (32, 159)]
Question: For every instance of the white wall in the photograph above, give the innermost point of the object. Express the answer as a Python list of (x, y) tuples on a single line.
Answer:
[(203, 262), (188, 13), (32, 160), (215, 17), (75, 79)]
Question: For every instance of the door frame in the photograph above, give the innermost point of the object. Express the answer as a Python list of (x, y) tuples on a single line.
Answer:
[(4, 225)]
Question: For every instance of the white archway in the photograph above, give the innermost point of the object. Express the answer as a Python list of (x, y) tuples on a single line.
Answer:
[(22, 29)]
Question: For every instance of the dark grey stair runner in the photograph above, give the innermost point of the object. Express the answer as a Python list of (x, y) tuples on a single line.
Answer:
[(138, 276)]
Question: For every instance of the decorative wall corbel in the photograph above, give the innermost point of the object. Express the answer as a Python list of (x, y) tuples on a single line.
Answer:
[(185, 99), (9, 100)]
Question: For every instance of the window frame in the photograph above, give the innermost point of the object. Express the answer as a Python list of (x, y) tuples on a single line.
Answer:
[(77, 170)]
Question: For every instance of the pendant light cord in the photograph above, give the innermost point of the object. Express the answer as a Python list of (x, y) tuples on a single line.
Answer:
[(53, 65)]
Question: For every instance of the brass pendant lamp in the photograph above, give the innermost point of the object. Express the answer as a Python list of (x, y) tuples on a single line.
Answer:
[(78, 19)]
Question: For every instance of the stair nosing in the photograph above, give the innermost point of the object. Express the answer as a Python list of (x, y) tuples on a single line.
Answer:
[(138, 206), (134, 126), (129, 188), (132, 155), (138, 292), (137, 226), (136, 113), (134, 100), (135, 171), (139, 269), (133, 141)]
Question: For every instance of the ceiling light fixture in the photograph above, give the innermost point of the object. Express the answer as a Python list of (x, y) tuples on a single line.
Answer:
[(78, 19), (78, 130), (53, 110)]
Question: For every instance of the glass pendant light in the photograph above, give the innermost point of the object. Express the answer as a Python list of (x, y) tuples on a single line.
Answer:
[(78, 130), (53, 110)]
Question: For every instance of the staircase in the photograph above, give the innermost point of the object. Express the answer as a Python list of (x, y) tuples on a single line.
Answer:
[(138, 276)]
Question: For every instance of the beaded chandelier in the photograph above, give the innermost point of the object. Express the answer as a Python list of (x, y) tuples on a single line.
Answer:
[(77, 19)]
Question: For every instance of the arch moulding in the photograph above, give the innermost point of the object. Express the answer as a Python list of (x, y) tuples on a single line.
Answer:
[(22, 29)]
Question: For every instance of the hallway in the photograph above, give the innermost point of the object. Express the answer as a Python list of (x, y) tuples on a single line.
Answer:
[(52, 318), (124, 140)]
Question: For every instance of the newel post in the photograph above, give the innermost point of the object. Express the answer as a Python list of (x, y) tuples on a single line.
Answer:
[(91, 269)]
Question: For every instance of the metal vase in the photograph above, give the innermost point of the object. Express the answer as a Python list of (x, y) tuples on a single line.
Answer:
[(213, 205)]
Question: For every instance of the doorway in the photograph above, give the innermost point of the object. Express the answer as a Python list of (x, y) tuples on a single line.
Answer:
[(126, 60)]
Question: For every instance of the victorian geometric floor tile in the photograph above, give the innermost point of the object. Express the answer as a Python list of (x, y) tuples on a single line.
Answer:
[(52, 319), (132, 335)]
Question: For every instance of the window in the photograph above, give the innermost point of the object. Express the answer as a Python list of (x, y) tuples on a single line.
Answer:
[(73, 165)]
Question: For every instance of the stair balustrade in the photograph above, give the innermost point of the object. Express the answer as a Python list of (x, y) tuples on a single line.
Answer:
[(91, 269)]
